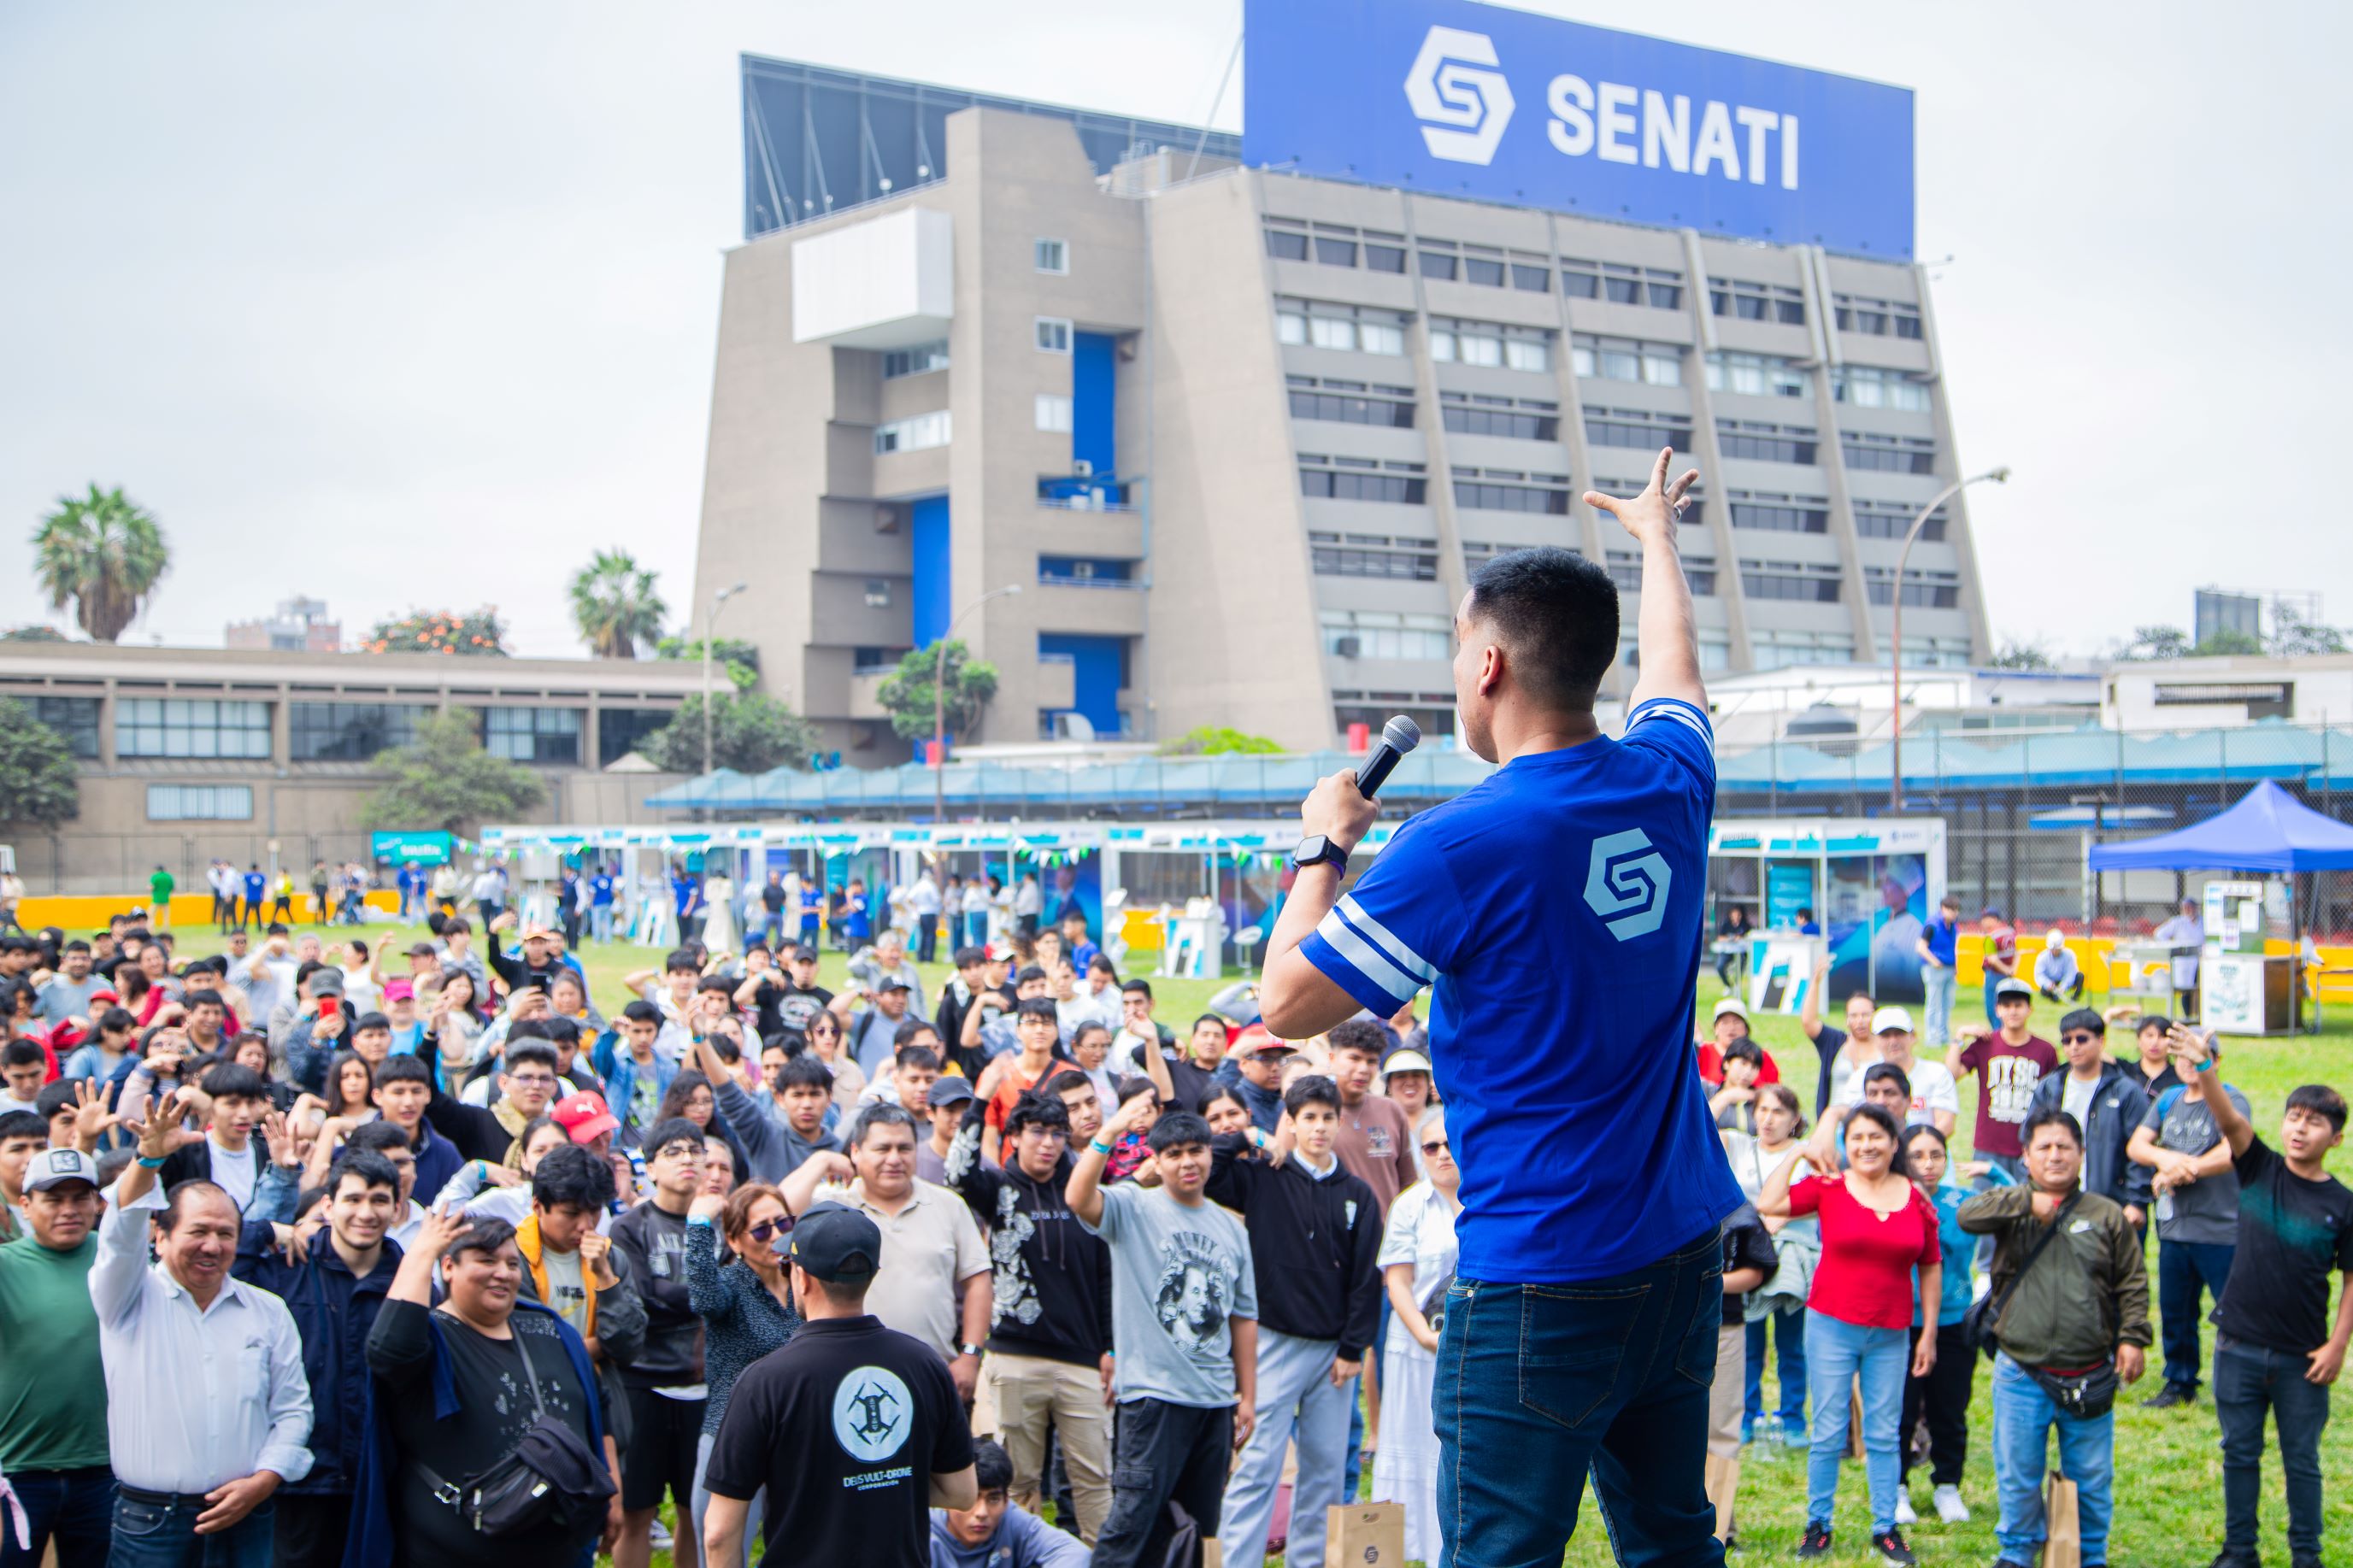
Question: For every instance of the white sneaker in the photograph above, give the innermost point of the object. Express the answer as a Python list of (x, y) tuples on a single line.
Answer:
[(1904, 1513), (1950, 1505)]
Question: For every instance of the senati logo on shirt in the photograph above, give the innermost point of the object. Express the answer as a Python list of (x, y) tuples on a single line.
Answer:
[(871, 1414), (1625, 884)]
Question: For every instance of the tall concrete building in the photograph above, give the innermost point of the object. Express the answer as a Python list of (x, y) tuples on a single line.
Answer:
[(1239, 437)]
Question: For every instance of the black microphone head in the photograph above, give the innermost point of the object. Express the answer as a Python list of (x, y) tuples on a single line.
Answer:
[(1401, 734)]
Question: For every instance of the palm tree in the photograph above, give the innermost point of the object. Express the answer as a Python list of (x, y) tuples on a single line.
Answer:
[(615, 605), (103, 552)]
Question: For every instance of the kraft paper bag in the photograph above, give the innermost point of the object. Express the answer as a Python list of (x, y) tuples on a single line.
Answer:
[(2063, 1547), (1723, 1483), (1364, 1535)]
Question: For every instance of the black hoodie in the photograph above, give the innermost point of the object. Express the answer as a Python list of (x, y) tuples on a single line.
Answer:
[(1052, 1291), (1316, 1243)]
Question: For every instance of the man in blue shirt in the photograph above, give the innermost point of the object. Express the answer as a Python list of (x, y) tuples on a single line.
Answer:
[(1582, 1328), (255, 884), (1939, 948), (600, 905)]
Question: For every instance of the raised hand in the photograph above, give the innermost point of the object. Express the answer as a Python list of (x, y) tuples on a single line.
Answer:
[(278, 1138), (1650, 515), (441, 1228), (157, 1122), (93, 1120)]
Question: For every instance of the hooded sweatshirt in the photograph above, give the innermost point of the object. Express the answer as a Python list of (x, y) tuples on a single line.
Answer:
[(1051, 1294)]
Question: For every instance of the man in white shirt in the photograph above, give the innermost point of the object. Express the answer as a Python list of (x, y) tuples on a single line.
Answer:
[(2186, 934), (924, 905), (208, 1409), (1936, 1098), (1028, 902), (975, 912)]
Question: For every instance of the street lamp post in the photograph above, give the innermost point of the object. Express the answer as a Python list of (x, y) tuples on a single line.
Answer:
[(709, 633), (940, 702), (1895, 661)]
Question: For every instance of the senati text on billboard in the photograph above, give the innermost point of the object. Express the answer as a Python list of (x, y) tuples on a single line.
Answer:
[(1462, 99)]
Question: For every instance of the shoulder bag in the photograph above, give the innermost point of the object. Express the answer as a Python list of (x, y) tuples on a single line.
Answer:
[(547, 1481), (1985, 1313)]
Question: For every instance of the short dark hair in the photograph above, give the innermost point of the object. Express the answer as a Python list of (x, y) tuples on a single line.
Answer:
[(1035, 1109), (371, 1021), (674, 1130), (909, 1029), (378, 1136), (1313, 1088), (1071, 912), (1357, 1035), (1140, 987), (2043, 1116), (76, 945), (681, 958), (1027, 972), (208, 997), (882, 1113), (23, 1124), (1881, 1072), (559, 1032), (54, 1098), (571, 1175), (1746, 1049), (805, 1072), (642, 1012), (922, 1059), (373, 1170), (116, 1019), (718, 983), (970, 957), (1067, 1080), (2082, 1018), (487, 1233), (1556, 613), (403, 1069), (518, 1052), (2321, 1100), (1038, 1007), (230, 1081), (992, 1468), (1174, 1130)]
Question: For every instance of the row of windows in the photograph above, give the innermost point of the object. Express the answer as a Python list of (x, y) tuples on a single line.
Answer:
[(1890, 520), (178, 727), (1803, 515), (1387, 634), (915, 360), (1869, 386), (1755, 302), (1084, 572), (1776, 649), (1756, 375), (1622, 285), (199, 803), (1361, 479), (350, 732), (1288, 239), (191, 727), (1351, 408), (915, 433), (1805, 583), (74, 718), (1875, 318), (1922, 590), (1480, 343), (1888, 453), (1342, 327), (1757, 441), (1618, 359), (1637, 427), (1490, 496), (1486, 414), (1372, 555), (533, 734), (1625, 569)]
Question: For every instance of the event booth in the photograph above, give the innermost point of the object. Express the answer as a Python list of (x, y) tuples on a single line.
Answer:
[(1871, 886)]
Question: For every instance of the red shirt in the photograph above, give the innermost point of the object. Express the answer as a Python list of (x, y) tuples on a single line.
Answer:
[(2006, 1075), (1711, 1066), (1865, 1274)]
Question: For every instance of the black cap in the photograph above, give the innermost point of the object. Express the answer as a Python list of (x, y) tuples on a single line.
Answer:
[(837, 1244), (890, 982), (948, 1090)]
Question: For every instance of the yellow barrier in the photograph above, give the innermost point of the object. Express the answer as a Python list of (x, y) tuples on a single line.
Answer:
[(78, 914), (2104, 971)]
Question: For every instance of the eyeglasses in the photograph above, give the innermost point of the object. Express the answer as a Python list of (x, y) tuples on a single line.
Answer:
[(2082, 1039), (1436, 1146), (531, 1080), (769, 1229)]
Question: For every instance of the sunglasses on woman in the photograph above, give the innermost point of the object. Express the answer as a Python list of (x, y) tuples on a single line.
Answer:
[(769, 1229), (1436, 1146)]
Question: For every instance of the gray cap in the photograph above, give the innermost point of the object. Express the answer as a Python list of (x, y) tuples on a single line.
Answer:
[(56, 1168), (950, 1090), (2012, 987)]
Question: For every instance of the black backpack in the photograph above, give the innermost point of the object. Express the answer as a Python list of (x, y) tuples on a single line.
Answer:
[(549, 1481)]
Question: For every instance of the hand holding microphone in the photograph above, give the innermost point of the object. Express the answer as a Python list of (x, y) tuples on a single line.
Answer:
[(1341, 808)]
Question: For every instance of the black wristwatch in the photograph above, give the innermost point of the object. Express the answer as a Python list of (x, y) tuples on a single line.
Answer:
[(1317, 850)]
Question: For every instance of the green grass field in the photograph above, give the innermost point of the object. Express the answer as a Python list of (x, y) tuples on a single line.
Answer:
[(2168, 1467)]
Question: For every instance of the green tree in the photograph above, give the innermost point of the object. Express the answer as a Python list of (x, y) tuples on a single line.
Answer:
[(475, 634), (1219, 740), (615, 605), (2014, 654), (741, 658), (906, 692), (105, 553), (750, 733), (2293, 635), (33, 634), (38, 782), (2156, 643), (443, 780), (2228, 640)]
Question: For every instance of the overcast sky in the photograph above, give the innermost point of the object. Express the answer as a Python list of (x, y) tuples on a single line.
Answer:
[(414, 306)]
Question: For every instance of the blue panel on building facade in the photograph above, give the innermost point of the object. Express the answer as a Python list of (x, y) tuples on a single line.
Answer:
[(1461, 99), (928, 607), (1094, 411), (1099, 666)]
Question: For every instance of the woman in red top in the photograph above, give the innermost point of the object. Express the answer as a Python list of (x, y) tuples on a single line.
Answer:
[(1876, 1228)]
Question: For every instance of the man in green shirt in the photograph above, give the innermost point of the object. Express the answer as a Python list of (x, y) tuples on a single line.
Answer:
[(159, 899), (52, 1384)]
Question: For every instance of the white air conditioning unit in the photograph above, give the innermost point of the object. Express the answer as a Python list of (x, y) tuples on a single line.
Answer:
[(1082, 467), (1348, 647)]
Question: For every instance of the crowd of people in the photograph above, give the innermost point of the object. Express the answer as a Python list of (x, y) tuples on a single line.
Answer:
[(321, 1252)]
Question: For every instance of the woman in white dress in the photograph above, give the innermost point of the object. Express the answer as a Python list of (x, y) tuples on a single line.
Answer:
[(1417, 1259), (719, 903)]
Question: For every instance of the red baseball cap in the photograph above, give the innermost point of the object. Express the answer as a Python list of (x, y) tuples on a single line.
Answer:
[(1259, 1037), (584, 1117)]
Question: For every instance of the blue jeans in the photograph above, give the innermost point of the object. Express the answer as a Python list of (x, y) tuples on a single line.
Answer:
[(2185, 1270), (164, 1535), (1538, 1384), (1789, 1325), (1836, 1353), (1295, 1399), (2023, 1416), (1941, 983), (2249, 1381), (75, 1509), (1993, 1020)]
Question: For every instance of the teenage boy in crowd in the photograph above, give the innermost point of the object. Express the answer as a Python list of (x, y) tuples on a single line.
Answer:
[(1373, 1141), (2276, 1350), (2107, 1105), (1314, 1234), (996, 1531), (1259, 1057), (569, 1266), (227, 1155), (1939, 948), (1050, 1331), (2009, 1061), (1185, 1332), (53, 1442), (2080, 1312), (2186, 1174), (1007, 1079), (404, 1088), (943, 1109), (1830, 1041), (664, 1379)]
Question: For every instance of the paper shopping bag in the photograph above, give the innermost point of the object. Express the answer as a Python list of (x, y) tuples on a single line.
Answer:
[(1723, 1481), (1364, 1535), (2063, 1547)]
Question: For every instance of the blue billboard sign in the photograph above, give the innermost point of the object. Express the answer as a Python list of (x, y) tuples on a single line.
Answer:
[(1460, 99)]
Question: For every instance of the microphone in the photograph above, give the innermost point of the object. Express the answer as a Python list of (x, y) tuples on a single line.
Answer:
[(1399, 736)]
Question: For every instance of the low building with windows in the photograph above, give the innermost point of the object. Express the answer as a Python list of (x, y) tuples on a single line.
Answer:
[(2228, 691), (189, 753), (1239, 437)]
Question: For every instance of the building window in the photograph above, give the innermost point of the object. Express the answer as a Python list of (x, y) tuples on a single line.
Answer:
[(1755, 302), (1922, 590), (1054, 334), (1338, 327), (1777, 649), (1625, 569), (73, 717), (1285, 245), (620, 731), (1331, 332), (1080, 571), (915, 434), (1481, 414), (1433, 711), (878, 593), (874, 660), (1758, 442), (1487, 274), (1807, 514), (1361, 479), (1054, 412), (1888, 453), (1892, 520), (349, 732), (1351, 403), (1805, 583), (1051, 255), (1637, 427), (1484, 343), (1875, 318), (1385, 633), (1372, 555), (200, 803), (1755, 375), (190, 727), (543, 735), (1438, 264), (1869, 386), (1622, 359), (915, 360), (1494, 489)]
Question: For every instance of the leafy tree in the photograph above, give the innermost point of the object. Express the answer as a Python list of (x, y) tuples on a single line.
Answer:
[(750, 733), (105, 553), (444, 780), (2293, 635), (38, 782), (2228, 640), (906, 692), (476, 633), (2014, 654), (33, 634), (615, 605), (741, 658), (2156, 643), (1219, 740)]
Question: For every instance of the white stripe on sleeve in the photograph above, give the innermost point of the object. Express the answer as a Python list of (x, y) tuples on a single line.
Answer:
[(1365, 959), (1388, 940)]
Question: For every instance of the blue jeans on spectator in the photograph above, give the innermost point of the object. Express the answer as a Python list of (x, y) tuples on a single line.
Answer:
[(2250, 1380), (1992, 980), (2185, 1270), (1538, 1384), (1836, 1353), (74, 1509), (2023, 1416), (1789, 1325), (150, 1534), (600, 922), (1941, 983)]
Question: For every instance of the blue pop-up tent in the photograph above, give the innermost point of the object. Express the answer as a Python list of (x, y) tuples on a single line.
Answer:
[(2268, 830)]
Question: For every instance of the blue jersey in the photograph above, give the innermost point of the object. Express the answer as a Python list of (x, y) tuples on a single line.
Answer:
[(600, 888), (1555, 910)]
